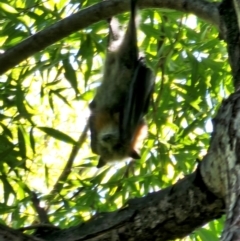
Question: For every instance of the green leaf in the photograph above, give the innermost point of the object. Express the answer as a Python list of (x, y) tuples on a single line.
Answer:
[(21, 142), (207, 235), (8, 189), (70, 73), (7, 8), (58, 135), (32, 140)]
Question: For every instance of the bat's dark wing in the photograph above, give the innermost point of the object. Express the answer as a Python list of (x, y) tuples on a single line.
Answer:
[(137, 101)]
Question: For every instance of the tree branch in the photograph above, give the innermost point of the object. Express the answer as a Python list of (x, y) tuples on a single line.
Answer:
[(220, 168), (165, 215), (9, 234), (93, 14), (230, 33), (67, 169)]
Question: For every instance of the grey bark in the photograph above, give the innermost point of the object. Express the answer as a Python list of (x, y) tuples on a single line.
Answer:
[(221, 166)]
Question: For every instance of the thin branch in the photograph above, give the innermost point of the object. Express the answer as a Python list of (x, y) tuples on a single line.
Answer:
[(67, 169), (42, 214), (100, 11)]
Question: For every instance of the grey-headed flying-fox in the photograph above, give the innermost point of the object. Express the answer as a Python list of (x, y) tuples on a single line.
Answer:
[(117, 111)]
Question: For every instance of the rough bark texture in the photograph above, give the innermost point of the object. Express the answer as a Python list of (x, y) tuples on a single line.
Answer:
[(221, 166)]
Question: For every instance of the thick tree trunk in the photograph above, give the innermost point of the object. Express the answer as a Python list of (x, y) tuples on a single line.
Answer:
[(221, 166)]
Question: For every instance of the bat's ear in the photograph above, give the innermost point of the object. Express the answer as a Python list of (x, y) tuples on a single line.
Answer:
[(101, 162), (134, 154)]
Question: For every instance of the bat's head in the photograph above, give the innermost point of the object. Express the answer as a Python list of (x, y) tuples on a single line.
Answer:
[(106, 139), (111, 147), (117, 152)]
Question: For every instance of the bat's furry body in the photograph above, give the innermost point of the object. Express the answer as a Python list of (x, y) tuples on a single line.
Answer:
[(116, 122)]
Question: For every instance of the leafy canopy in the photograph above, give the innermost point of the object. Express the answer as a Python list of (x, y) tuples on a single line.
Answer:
[(44, 111)]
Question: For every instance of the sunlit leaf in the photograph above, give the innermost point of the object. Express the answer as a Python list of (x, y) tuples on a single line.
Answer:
[(58, 135)]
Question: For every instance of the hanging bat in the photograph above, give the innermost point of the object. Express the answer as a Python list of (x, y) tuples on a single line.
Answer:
[(116, 122)]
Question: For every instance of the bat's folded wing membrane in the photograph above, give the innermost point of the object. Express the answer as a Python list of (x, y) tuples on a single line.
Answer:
[(137, 100)]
